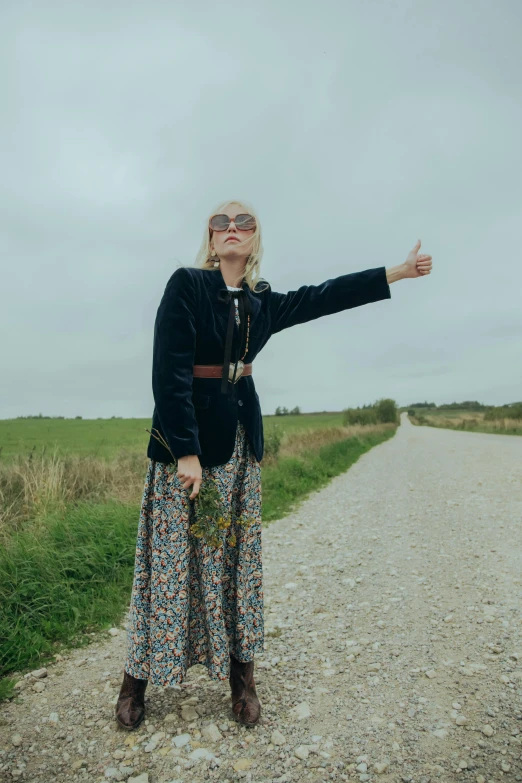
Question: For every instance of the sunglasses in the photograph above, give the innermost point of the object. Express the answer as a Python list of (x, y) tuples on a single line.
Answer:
[(222, 222)]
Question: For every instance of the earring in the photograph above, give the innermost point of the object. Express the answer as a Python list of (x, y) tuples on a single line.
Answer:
[(216, 263)]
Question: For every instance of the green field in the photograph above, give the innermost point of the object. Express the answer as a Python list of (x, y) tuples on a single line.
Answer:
[(106, 437)]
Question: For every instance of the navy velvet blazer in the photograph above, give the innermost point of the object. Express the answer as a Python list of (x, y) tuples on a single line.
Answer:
[(193, 415)]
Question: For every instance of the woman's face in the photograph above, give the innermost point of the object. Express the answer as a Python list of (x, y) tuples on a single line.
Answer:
[(228, 244)]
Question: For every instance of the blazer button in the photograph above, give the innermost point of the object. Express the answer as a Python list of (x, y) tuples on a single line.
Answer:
[(240, 402)]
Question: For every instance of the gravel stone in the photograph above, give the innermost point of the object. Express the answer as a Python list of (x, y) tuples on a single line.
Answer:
[(277, 738)]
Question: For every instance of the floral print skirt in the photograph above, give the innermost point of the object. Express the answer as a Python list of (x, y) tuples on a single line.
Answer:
[(192, 603)]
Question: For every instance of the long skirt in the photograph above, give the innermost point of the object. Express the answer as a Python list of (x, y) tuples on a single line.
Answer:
[(192, 603)]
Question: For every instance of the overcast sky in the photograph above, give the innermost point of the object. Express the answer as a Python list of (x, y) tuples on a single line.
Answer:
[(354, 128)]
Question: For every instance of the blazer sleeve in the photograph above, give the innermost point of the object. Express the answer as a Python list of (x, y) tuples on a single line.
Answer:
[(332, 296), (173, 362)]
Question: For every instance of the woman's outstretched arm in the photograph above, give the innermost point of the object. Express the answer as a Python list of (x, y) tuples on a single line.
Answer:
[(342, 293)]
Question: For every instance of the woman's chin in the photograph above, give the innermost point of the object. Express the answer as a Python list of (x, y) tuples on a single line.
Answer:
[(232, 253)]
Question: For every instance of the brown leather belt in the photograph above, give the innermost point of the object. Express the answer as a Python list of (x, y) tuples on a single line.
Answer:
[(216, 370)]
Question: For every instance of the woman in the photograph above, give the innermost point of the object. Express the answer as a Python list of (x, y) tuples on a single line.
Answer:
[(191, 602)]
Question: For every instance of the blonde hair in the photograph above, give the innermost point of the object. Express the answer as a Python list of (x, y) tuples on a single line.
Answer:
[(251, 274)]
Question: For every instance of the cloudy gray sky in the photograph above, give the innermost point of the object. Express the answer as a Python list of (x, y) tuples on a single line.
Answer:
[(354, 128)]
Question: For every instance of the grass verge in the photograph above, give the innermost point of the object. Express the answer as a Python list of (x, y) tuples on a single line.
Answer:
[(292, 479), (61, 579)]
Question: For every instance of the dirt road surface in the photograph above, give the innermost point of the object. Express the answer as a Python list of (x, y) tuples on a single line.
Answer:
[(393, 607)]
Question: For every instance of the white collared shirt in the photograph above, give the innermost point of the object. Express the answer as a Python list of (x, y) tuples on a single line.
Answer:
[(234, 288)]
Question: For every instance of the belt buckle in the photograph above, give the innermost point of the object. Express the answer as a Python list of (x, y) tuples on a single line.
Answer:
[(239, 371)]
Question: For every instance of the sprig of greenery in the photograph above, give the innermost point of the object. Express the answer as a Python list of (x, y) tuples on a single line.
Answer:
[(209, 512)]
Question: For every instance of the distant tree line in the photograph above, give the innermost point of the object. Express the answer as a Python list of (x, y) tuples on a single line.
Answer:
[(381, 411), (41, 416), (510, 410), (469, 405), (65, 418)]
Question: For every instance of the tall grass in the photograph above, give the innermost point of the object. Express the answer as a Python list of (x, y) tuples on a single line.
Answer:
[(471, 423), (504, 412), (32, 485), (310, 441)]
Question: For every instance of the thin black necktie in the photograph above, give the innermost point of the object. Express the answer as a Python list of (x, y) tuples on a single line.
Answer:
[(244, 308)]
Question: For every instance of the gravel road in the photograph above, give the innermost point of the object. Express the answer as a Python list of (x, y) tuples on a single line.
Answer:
[(393, 603)]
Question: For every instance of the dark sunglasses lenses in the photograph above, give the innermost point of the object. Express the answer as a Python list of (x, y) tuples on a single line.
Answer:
[(245, 222), (242, 222)]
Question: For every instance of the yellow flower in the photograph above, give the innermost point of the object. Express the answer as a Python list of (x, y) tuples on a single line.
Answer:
[(245, 521)]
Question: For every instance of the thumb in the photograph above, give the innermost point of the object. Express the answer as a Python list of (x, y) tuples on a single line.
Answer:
[(415, 248)]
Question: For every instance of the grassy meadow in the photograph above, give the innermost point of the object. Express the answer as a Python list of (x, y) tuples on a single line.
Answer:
[(106, 438), (70, 494)]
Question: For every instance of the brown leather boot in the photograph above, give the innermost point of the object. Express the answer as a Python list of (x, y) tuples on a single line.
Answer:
[(245, 704), (130, 707)]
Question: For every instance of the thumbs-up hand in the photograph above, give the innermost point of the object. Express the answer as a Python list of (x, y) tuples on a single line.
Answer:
[(417, 265)]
